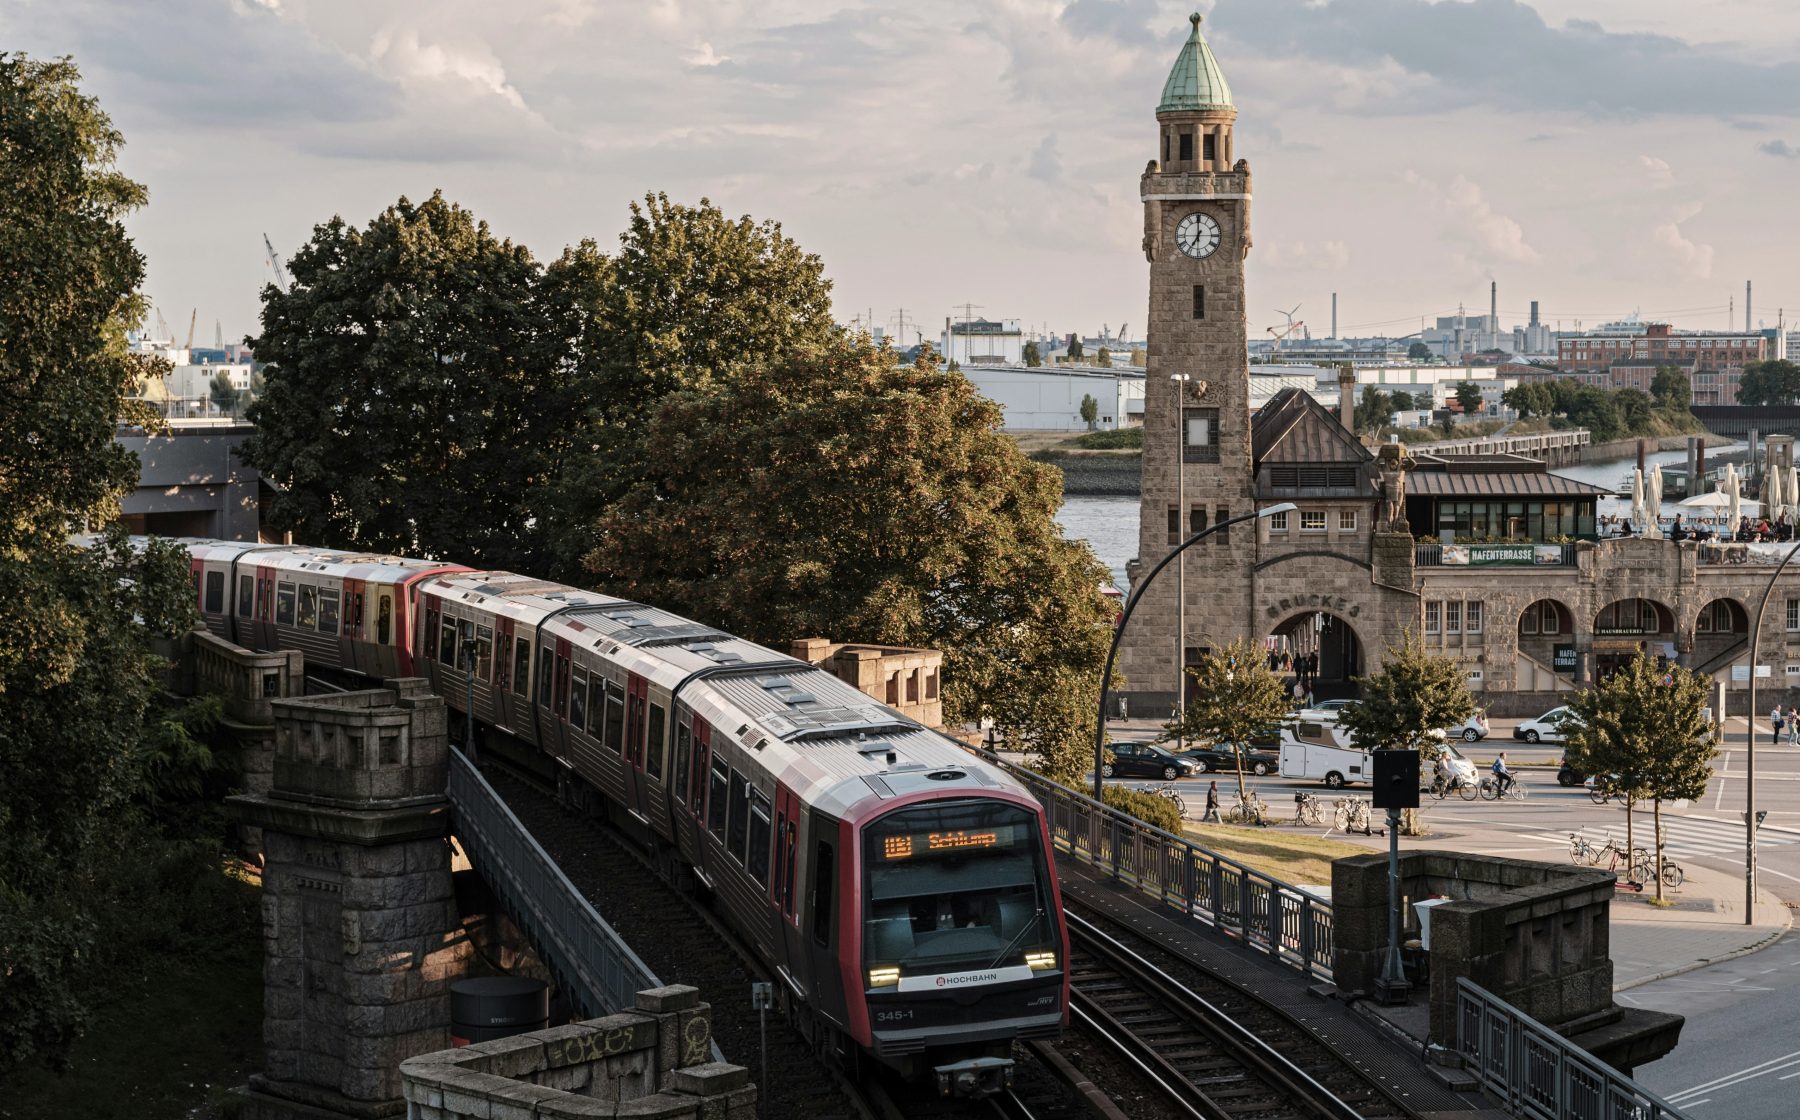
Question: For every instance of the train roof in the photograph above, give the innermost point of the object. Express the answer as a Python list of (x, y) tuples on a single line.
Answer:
[(373, 567)]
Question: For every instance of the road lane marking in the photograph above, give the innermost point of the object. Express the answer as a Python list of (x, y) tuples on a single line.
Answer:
[(1757, 1070)]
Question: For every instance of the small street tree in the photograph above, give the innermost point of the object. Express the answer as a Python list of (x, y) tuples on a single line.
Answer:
[(224, 394), (1418, 352), (1090, 410), (1402, 401), (1031, 355), (1238, 698), (1075, 350), (1671, 387), (1103, 358), (1408, 704), (1644, 731), (1468, 395)]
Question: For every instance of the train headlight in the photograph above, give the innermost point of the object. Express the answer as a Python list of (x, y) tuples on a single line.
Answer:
[(1041, 961), (883, 977)]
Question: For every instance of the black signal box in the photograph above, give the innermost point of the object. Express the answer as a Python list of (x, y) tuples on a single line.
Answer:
[(1396, 779)]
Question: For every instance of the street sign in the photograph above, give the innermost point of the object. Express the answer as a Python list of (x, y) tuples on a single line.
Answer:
[(1740, 672)]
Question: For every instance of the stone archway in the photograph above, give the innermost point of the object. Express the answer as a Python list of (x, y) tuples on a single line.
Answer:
[(1324, 650), (1719, 629), (1623, 627), (1545, 632)]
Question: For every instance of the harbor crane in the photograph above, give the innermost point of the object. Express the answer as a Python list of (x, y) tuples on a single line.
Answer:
[(281, 276), (192, 319)]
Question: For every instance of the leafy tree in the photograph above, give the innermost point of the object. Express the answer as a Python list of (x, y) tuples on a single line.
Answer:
[(1595, 409), (1644, 729), (411, 404), (1448, 426), (1408, 704), (1155, 811), (1671, 388), (76, 673), (224, 394), (1075, 351), (1530, 398), (1634, 407), (1137, 358), (1418, 352), (1090, 410), (1031, 355), (841, 493), (1238, 698), (1402, 401), (1374, 410), (1773, 382), (1103, 358), (1468, 397)]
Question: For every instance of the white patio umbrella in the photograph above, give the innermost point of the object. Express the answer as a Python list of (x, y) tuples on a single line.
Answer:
[(1790, 493), (1637, 495), (1734, 490), (1653, 505)]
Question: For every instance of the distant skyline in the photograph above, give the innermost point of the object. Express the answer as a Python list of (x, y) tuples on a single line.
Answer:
[(1599, 156)]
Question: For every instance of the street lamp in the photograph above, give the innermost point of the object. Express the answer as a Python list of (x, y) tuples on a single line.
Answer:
[(1179, 381), (1750, 818), (1137, 594)]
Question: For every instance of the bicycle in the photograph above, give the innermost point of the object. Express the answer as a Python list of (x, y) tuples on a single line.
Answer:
[(1580, 851), (1441, 789), (1308, 810), (1168, 790), (1249, 810), (1351, 815), (1640, 867), (1601, 792), (1490, 789)]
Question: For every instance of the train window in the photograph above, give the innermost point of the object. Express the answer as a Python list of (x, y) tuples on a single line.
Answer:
[(484, 652), (521, 682), (562, 685), (786, 886), (596, 706), (328, 611), (431, 623), (353, 614), (654, 763), (447, 643), (215, 592), (757, 857), (822, 895), (721, 789), (308, 617), (578, 700), (544, 658), (738, 827), (384, 619), (615, 717), (284, 604), (680, 784), (697, 791), (246, 596)]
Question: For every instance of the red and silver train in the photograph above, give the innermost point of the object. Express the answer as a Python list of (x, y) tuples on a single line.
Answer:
[(901, 889)]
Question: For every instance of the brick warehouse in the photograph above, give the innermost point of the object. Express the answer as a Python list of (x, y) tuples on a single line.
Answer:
[(1543, 609)]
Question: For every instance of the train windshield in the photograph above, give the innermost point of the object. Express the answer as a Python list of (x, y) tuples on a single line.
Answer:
[(953, 886)]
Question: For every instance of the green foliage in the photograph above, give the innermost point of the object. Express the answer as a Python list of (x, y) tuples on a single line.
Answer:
[(1157, 812), (1090, 410), (1238, 698), (1031, 355), (1414, 696), (1137, 358), (1418, 352), (411, 404), (1468, 397), (224, 395), (840, 493), (1111, 439), (1374, 410), (1103, 358), (1075, 351), (1401, 401), (1773, 382), (1671, 388), (1448, 426), (1635, 408)]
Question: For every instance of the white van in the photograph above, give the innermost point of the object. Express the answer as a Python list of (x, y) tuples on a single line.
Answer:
[(1320, 751)]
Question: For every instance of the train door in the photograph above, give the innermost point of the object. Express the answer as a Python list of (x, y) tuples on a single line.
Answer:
[(827, 862), (352, 643), (637, 695), (502, 685), (263, 632), (784, 888), (243, 615)]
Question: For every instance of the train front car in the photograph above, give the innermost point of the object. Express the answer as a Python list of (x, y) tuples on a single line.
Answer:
[(963, 942)]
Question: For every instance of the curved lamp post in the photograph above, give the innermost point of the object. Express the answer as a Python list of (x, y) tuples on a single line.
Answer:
[(1137, 594), (1750, 821)]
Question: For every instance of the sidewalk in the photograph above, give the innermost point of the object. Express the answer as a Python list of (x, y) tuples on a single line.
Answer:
[(1704, 926)]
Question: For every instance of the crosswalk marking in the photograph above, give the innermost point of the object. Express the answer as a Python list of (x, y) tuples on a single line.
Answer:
[(1684, 837)]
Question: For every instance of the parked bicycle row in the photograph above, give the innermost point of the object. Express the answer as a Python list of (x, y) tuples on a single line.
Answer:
[(1637, 868)]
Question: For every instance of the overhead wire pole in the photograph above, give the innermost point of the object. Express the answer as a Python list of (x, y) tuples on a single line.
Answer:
[(968, 310), (1750, 821)]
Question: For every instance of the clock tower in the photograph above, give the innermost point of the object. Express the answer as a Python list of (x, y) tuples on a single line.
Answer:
[(1197, 453)]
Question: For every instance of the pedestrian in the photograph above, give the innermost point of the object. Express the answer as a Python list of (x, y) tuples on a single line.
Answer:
[(1212, 803), (1124, 708), (1299, 692), (1793, 726), (1309, 696), (1775, 725)]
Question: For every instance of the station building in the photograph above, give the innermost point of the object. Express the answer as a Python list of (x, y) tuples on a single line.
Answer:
[(1492, 559)]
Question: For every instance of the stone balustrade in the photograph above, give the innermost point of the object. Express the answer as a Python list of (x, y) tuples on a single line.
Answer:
[(248, 682), (358, 748), (650, 1063)]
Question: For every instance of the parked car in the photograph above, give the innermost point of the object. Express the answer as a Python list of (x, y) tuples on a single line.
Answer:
[(1221, 756), (1470, 730), (1325, 710), (1551, 727), (1458, 763), (1146, 760), (1567, 775)]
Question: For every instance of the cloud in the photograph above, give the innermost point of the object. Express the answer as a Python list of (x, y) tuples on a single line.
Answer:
[(1658, 171), (1474, 223), (1688, 259), (1123, 21), (1044, 166), (704, 56), (1303, 256), (1781, 149), (402, 53)]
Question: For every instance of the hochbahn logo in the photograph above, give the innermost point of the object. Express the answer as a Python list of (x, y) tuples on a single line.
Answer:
[(967, 978)]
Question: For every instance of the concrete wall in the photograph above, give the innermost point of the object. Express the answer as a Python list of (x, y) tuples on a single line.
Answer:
[(191, 483)]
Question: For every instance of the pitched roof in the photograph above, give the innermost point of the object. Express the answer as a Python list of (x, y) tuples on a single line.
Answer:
[(1496, 476), (1295, 428), (1195, 82)]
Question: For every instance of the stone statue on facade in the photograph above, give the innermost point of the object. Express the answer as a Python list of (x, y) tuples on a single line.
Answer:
[(1391, 464)]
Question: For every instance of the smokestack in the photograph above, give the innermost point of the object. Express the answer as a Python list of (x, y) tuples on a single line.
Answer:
[(1747, 326), (1494, 306), (1334, 315), (1347, 397)]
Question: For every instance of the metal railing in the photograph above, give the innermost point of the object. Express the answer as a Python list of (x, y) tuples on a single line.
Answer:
[(592, 963), (1538, 1074), (1261, 911)]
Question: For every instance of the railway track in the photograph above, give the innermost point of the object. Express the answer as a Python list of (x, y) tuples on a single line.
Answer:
[(1218, 1051)]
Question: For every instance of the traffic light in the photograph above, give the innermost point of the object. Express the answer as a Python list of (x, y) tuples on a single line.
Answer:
[(1396, 779)]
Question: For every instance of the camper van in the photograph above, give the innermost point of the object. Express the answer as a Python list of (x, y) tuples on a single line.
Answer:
[(1320, 751)]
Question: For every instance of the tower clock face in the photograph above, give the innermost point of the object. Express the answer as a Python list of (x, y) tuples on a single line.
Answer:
[(1197, 235)]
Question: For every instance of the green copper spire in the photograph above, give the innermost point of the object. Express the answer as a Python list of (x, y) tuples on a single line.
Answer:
[(1196, 82)]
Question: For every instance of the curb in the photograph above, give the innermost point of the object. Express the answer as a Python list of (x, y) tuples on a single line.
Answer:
[(1744, 951)]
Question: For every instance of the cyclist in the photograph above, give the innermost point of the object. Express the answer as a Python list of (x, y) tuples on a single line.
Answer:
[(1503, 777), (1445, 779)]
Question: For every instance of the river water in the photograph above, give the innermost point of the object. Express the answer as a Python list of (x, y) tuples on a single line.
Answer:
[(1110, 525)]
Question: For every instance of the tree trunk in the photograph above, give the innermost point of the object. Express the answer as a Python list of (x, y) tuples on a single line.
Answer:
[(1237, 752), (1629, 849), (1656, 822)]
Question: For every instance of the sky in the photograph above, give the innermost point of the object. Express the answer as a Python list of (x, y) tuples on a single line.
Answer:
[(1603, 157)]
